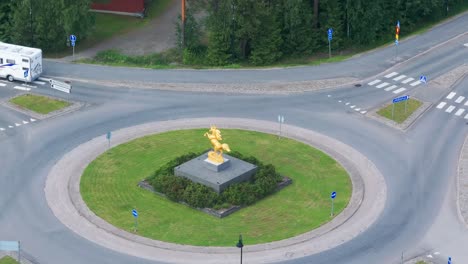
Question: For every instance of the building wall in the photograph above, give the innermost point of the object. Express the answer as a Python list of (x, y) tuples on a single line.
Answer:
[(129, 6)]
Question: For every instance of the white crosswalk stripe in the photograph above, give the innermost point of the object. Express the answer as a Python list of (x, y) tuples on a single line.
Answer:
[(363, 112), (10, 126), (2, 129), (391, 75), (399, 90), (466, 103), (415, 83), (441, 105), (466, 44), (390, 88), (352, 106), (16, 124), (374, 82), (466, 117), (399, 77), (347, 103), (2, 84), (22, 88), (357, 109), (32, 119), (407, 80), (450, 109), (39, 82), (25, 122), (459, 112), (451, 95), (460, 99), (382, 85)]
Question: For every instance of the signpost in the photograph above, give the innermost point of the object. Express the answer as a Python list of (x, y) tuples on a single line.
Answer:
[(397, 37), (330, 37), (135, 215), (240, 245), (332, 196), (423, 79), (280, 121), (108, 136), (397, 100), (61, 86), (449, 260), (73, 40)]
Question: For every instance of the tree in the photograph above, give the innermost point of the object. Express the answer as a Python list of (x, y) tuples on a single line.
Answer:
[(220, 35), (5, 20)]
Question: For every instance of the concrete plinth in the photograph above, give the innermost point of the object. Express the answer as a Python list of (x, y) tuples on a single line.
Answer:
[(216, 176)]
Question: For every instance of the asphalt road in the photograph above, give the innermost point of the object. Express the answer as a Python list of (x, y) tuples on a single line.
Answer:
[(419, 165)]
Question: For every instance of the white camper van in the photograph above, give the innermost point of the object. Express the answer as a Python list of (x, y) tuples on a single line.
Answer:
[(20, 63)]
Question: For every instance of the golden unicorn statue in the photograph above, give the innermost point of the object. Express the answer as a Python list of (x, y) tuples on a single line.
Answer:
[(214, 135)]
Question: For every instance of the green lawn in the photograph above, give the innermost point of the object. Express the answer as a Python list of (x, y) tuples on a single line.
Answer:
[(109, 187), (8, 260), (399, 113), (39, 104)]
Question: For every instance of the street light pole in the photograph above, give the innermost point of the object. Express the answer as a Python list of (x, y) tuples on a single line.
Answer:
[(240, 245)]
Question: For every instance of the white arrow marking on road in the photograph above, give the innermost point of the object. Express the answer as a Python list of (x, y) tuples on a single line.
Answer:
[(391, 75), (399, 90), (32, 119), (399, 77), (460, 99), (16, 124), (451, 95), (407, 80), (450, 109), (459, 112), (374, 82), (25, 122), (22, 88), (441, 105), (415, 83), (382, 85), (390, 88)]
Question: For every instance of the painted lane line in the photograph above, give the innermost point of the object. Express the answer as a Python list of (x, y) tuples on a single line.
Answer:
[(390, 88), (32, 119), (39, 82), (16, 124), (391, 75), (460, 99), (352, 106), (450, 109), (363, 112), (357, 109), (22, 88), (460, 112), (415, 83), (441, 105), (451, 95), (347, 103), (399, 77), (382, 85), (399, 90), (466, 117), (374, 82), (10, 126), (2, 84), (339, 101), (407, 80), (25, 122), (2, 129)]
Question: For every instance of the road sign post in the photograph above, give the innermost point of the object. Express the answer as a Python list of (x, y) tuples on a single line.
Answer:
[(396, 100), (280, 121), (332, 196), (423, 79), (73, 40), (330, 37), (135, 215), (449, 260), (108, 136)]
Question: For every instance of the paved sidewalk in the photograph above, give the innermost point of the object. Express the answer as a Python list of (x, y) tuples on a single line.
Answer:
[(366, 204)]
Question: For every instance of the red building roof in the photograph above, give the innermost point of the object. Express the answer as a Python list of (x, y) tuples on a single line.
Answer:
[(125, 6)]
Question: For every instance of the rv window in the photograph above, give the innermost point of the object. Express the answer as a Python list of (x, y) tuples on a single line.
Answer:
[(25, 69), (10, 61), (1, 61), (25, 60)]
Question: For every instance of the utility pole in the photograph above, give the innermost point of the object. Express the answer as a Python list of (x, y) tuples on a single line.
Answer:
[(183, 24)]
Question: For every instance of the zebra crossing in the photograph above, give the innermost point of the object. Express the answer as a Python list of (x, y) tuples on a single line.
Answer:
[(394, 77), (452, 102)]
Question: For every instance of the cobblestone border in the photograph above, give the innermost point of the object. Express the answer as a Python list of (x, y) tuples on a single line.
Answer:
[(366, 204)]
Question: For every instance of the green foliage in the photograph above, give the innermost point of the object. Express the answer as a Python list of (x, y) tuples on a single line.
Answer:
[(114, 56), (180, 189)]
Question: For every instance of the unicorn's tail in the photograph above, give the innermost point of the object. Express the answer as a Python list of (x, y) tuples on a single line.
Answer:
[(226, 147)]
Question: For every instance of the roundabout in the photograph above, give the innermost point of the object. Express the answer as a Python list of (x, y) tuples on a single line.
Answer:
[(367, 199)]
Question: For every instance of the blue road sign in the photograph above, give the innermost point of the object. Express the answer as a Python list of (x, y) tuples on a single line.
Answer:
[(333, 195), (72, 38), (9, 246), (449, 260), (330, 34), (26, 73), (109, 134), (400, 99), (396, 42), (134, 213), (423, 79), (73, 43)]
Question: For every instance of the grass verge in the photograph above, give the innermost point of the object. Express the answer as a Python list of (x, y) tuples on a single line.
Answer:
[(39, 104), (401, 110), (109, 188), (8, 260)]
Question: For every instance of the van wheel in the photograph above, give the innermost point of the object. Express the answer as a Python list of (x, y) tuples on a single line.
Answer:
[(10, 78)]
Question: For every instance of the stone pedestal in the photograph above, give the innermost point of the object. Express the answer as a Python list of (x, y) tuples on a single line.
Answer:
[(217, 176)]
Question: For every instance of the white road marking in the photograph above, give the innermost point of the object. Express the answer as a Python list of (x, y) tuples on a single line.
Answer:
[(382, 85), (357, 109), (399, 77), (399, 90), (347, 103), (39, 82), (415, 83), (25, 122), (429, 256), (2, 84), (329, 95), (32, 119), (459, 112), (390, 88), (450, 109), (391, 75), (374, 82), (466, 45), (2, 129), (16, 124), (466, 117), (451, 95), (22, 88), (352, 106), (441, 105), (466, 103), (363, 112), (407, 80), (339, 101), (10, 126), (436, 253), (460, 99)]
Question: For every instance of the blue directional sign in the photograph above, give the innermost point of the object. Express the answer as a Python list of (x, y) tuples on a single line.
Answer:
[(449, 260), (73, 43), (423, 79), (26, 73), (333, 195), (134, 213), (400, 99), (72, 38), (109, 134), (330, 34)]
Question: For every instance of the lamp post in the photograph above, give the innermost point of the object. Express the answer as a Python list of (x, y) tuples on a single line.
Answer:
[(240, 245)]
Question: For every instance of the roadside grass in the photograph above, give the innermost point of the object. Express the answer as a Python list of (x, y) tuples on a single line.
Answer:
[(399, 112), (421, 262), (109, 188), (8, 260), (39, 104)]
